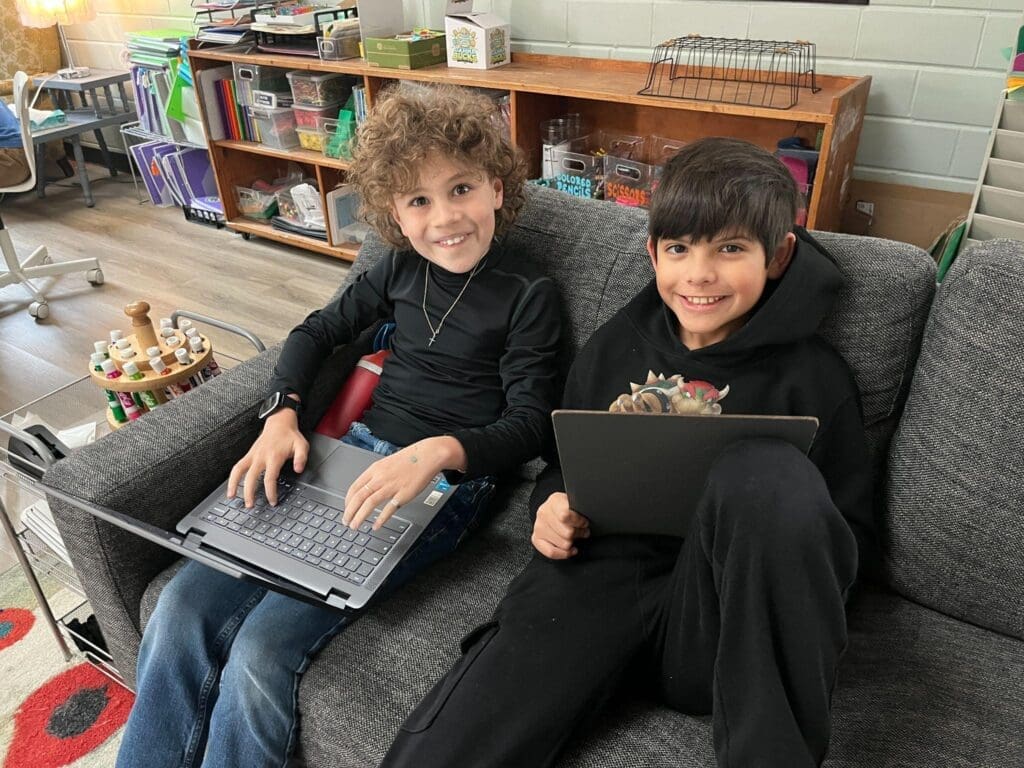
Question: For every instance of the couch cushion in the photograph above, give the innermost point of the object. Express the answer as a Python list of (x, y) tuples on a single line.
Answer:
[(916, 689), (955, 489)]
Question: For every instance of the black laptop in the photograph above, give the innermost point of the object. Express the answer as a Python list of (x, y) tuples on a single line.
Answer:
[(645, 473)]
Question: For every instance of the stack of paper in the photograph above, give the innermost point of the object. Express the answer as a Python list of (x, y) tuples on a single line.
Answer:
[(154, 47)]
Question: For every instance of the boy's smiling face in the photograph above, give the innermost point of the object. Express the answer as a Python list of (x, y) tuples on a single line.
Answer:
[(449, 216), (712, 286)]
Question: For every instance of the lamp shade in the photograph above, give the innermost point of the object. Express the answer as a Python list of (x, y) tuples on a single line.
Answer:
[(46, 13)]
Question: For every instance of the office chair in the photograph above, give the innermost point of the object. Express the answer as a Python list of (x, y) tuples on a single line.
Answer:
[(38, 264)]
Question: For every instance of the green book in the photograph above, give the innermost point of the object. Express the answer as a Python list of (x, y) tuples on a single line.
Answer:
[(949, 250)]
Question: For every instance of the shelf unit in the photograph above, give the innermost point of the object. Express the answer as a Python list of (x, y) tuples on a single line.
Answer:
[(604, 91), (998, 206)]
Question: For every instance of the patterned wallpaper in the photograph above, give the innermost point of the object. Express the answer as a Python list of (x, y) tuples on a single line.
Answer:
[(33, 50)]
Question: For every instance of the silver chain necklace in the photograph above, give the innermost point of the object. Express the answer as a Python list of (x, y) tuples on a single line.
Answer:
[(426, 279)]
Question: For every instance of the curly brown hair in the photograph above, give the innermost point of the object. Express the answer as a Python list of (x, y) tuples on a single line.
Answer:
[(409, 122)]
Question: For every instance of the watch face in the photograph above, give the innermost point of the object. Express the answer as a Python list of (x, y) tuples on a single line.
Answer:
[(269, 405)]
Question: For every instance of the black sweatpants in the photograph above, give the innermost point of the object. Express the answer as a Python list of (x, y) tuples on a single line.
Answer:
[(743, 620)]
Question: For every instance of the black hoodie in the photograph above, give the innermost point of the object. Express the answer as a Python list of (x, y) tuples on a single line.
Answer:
[(774, 364)]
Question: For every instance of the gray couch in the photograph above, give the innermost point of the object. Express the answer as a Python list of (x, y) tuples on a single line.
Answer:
[(934, 673)]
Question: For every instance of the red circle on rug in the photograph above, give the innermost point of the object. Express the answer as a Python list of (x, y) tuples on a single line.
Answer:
[(67, 717), (14, 625)]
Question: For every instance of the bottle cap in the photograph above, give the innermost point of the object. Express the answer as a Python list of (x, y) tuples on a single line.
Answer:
[(153, 352), (195, 344), (109, 366), (158, 364), (192, 332), (167, 332), (122, 343), (96, 358), (184, 324), (182, 355), (100, 347), (130, 368), (165, 322), (115, 335), (127, 353), (172, 342)]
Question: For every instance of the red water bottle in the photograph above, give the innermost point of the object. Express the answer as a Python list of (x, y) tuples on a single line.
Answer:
[(355, 396)]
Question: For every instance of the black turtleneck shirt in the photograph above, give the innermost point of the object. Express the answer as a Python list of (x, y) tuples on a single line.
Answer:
[(488, 380)]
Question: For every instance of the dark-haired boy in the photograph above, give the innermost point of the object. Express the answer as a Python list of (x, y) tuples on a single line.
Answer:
[(744, 618)]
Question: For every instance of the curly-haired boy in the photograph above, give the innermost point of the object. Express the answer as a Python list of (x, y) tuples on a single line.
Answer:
[(467, 389)]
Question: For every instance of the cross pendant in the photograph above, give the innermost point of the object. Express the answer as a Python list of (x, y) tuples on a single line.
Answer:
[(432, 338)]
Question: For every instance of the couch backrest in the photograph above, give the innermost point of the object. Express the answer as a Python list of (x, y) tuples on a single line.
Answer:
[(596, 253), (955, 498)]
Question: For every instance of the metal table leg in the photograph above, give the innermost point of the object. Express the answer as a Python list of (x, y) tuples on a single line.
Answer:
[(83, 176), (30, 575), (106, 153)]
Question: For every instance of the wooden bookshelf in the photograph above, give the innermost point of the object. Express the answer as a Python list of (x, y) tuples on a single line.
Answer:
[(604, 91)]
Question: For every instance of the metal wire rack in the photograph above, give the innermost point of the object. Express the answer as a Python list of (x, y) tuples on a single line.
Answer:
[(760, 73)]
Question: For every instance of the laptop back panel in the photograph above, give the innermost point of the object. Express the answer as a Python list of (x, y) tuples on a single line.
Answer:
[(645, 473)]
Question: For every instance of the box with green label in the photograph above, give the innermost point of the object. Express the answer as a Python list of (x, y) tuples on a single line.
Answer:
[(403, 52)]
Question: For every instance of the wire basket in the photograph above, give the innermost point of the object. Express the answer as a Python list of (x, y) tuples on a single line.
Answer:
[(759, 73)]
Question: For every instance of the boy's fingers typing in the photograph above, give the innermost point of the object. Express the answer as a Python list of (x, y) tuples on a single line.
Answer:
[(236, 474), (270, 476)]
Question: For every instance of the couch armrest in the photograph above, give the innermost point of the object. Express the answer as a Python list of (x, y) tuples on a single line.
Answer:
[(156, 470)]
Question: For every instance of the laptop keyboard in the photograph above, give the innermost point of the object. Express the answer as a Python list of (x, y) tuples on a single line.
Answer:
[(302, 526)]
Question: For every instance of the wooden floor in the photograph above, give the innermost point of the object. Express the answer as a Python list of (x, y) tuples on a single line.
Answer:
[(146, 253)]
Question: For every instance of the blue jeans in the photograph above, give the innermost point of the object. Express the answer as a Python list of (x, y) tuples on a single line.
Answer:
[(220, 662)]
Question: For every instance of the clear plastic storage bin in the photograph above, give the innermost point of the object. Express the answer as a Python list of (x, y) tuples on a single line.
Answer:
[(317, 90), (305, 210), (341, 47), (254, 204), (258, 77), (312, 118), (338, 143), (276, 126), (313, 139)]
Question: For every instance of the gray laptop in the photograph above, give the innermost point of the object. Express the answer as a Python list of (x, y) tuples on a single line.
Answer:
[(300, 547), (645, 473)]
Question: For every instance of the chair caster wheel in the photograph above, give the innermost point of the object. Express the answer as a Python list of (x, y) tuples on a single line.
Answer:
[(40, 310), (246, 235), (95, 276)]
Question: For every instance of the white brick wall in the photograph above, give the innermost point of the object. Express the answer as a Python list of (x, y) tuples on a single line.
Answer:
[(936, 65)]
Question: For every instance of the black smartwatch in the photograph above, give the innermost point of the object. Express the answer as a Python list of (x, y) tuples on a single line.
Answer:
[(278, 400)]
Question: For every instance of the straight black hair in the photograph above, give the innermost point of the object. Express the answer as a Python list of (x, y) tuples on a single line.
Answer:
[(724, 187)]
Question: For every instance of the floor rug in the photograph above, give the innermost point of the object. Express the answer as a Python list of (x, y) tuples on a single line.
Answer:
[(52, 713)]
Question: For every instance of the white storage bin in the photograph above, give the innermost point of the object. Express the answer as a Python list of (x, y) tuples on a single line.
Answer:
[(1001, 203), (1008, 145), (989, 227)]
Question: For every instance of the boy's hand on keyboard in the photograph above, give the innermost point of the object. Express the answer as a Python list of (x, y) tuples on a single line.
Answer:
[(557, 527), (397, 479), (279, 441)]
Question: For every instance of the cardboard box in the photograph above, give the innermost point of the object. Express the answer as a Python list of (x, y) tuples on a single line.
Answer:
[(402, 53), (476, 40)]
